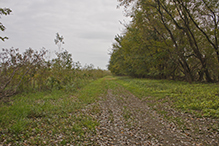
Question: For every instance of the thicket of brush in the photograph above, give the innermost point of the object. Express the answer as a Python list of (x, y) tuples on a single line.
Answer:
[(31, 72)]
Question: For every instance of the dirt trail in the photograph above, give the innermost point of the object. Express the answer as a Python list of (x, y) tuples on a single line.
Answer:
[(127, 120)]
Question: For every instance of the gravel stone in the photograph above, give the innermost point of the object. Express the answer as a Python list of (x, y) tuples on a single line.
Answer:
[(127, 120)]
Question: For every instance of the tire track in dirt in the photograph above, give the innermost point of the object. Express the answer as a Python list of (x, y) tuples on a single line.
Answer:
[(127, 120), (113, 129)]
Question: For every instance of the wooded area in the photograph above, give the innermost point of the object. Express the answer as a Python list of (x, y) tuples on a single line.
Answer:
[(169, 39)]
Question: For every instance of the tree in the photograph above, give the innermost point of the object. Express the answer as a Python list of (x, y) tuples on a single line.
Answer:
[(59, 41), (174, 38), (4, 11), (17, 70)]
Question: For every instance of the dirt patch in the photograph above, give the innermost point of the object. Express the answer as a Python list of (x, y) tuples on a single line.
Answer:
[(127, 120), (203, 129)]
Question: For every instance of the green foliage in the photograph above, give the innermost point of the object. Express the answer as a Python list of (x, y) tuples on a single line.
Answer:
[(167, 39), (4, 11), (30, 72), (92, 91), (59, 41), (201, 99), (18, 70)]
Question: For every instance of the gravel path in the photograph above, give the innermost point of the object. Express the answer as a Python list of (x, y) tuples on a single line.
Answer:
[(127, 120)]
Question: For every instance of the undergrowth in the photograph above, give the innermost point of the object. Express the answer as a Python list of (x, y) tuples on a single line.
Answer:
[(198, 98)]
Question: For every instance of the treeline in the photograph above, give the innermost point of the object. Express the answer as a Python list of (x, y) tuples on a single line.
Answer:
[(30, 72), (169, 39)]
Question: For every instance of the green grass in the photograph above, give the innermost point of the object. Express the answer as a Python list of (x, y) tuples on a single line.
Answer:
[(126, 113), (58, 117), (198, 98), (50, 118)]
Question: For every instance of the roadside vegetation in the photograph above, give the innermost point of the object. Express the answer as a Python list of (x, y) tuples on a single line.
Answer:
[(174, 39), (197, 98), (30, 71), (50, 118)]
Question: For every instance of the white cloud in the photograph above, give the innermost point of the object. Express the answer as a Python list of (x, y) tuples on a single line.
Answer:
[(88, 26)]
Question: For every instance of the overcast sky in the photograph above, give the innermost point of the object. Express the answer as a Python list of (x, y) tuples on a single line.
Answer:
[(88, 27)]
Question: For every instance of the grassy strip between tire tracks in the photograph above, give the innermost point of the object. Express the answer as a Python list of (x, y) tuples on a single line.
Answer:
[(198, 98)]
